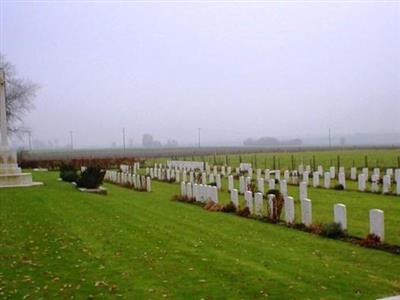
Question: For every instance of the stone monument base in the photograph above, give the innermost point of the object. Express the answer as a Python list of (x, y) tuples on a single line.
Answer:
[(10, 173)]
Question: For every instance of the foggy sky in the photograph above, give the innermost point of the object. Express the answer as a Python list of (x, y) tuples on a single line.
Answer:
[(236, 70)]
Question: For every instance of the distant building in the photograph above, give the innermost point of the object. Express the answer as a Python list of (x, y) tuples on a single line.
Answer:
[(149, 142)]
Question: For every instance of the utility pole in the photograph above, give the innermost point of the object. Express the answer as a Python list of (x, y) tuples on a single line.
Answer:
[(71, 140), (199, 129), (123, 139), (330, 141)]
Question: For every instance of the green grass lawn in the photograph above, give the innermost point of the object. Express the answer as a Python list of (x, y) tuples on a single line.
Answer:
[(58, 243)]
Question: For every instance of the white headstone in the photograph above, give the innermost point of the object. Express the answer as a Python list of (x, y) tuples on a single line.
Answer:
[(397, 175), (286, 175), (271, 184), (365, 172), (223, 173), (203, 178), (267, 174), (305, 177), (376, 223), (271, 205), (242, 185), (303, 191), (230, 183), (183, 188), (377, 172), (196, 195), (283, 187), (191, 177), (248, 197), (306, 212), (342, 179), (386, 184), (211, 178), (184, 176), (339, 212), (315, 179), (353, 173), (374, 184), (235, 198), (218, 181), (342, 170), (361, 182), (258, 200), (260, 185), (332, 171), (189, 191), (320, 170), (229, 170), (148, 184), (327, 180), (289, 209), (214, 194), (248, 182)]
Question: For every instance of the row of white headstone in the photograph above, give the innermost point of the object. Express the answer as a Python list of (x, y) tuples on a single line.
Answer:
[(201, 193), (214, 177), (187, 165), (130, 168), (247, 167), (135, 181)]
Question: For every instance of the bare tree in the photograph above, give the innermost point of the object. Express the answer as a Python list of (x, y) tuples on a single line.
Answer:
[(20, 94)]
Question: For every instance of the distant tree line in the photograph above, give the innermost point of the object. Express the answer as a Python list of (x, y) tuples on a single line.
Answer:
[(271, 141)]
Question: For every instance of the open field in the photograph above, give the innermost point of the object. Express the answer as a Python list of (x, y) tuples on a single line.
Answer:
[(56, 243), (383, 158), (262, 157)]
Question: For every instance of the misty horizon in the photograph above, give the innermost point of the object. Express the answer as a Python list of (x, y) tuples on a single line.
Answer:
[(235, 70)]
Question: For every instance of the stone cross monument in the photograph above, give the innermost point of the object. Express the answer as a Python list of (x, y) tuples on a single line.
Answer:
[(10, 173)]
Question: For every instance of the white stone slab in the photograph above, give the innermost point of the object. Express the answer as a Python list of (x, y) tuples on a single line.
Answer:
[(306, 212), (376, 223), (339, 215), (289, 210)]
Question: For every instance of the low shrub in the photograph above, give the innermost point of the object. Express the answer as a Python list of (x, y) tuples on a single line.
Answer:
[(315, 228), (278, 202), (251, 187), (91, 178), (208, 204), (371, 240), (338, 187), (245, 212), (182, 198), (69, 176), (332, 230), (212, 206), (68, 173), (229, 208)]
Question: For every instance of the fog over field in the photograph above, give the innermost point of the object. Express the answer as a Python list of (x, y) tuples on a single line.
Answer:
[(236, 70)]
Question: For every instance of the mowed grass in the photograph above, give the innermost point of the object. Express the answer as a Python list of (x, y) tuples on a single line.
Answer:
[(58, 243), (383, 158)]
